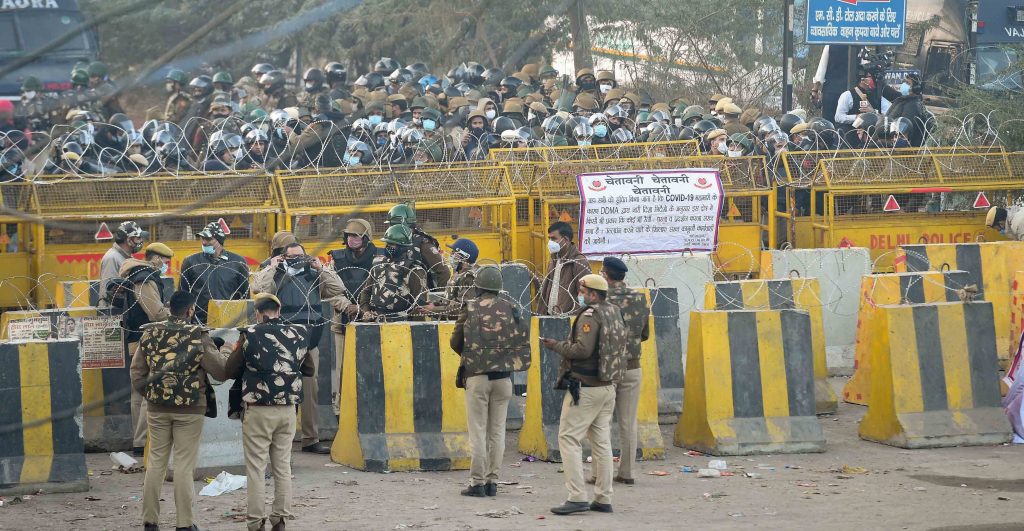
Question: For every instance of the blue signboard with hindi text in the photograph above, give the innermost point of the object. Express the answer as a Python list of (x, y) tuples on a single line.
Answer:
[(860, 22)]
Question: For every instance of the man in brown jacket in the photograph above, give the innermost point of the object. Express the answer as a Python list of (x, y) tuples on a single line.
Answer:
[(302, 283), (147, 307), (170, 370), (560, 287)]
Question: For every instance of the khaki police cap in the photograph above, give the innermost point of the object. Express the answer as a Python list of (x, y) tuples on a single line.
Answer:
[(160, 249), (594, 282), (264, 297)]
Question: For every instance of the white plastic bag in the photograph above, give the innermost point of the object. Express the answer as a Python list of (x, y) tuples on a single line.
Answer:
[(224, 482)]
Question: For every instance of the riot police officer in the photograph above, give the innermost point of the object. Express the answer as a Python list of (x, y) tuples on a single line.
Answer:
[(427, 247), (492, 336), (396, 285)]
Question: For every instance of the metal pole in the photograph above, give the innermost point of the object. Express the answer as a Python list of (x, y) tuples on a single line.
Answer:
[(787, 59)]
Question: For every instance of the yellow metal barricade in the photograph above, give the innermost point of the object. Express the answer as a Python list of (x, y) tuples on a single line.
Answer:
[(881, 200), (472, 200), (61, 216)]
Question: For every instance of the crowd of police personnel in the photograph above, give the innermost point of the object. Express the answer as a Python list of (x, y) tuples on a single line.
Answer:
[(399, 114), (274, 361)]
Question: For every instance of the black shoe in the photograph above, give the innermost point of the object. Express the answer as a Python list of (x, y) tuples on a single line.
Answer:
[(150, 527), (317, 448), (571, 507), (193, 528), (491, 489), (476, 491), (279, 526), (625, 481), (601, 507), (138, 451)]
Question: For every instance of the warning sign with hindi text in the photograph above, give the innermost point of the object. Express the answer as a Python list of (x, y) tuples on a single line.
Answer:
[(647, 212)]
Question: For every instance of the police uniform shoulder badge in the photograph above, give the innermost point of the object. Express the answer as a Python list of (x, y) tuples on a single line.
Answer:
[(586, 328)]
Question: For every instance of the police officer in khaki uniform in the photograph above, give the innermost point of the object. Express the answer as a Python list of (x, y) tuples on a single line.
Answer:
[(170, 371), (302, 284), (271, 357), (593, 360), (492, 335), (148, 307), (636, 314)]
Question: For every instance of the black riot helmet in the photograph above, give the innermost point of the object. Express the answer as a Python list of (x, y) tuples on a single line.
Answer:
[(313, 79), (702, 127), (335, 72), (201, 86), (418, 70), (386, 65), (272, 81), (259, 69), (788, 121)]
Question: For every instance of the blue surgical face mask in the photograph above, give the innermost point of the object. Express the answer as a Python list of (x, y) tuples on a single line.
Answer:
[(375, 119), (429, 125), (583, 143), (382, 140), (904, 89), (351, 160), (164, 268), (208, 249), (600, 130), (582, 300)]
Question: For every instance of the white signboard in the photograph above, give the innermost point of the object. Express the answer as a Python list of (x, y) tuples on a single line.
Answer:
[(32, 329), (102, 342), (646, 212)]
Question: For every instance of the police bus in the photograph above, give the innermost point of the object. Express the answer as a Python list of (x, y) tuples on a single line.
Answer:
[(27, 26)]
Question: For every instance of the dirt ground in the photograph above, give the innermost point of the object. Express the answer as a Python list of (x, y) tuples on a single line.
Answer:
[(973, 488)]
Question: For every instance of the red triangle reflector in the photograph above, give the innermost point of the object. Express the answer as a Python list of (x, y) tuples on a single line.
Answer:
[(891, 205), (981, 201), (104, 233), (224, 226)]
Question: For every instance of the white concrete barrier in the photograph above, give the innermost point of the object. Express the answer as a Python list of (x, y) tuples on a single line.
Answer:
[(839, 273)]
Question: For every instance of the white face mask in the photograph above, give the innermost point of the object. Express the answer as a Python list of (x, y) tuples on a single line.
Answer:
[(723, 149), (531, 116), (554, 247), (735, 153), (490, 114), (678, 122), (29, 94), (294, 271), (605, 89)]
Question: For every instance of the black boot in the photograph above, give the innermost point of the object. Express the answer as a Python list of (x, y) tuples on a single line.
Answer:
[(491, 489), (317, 448), (476, 491), (571, 507), (150, 527)]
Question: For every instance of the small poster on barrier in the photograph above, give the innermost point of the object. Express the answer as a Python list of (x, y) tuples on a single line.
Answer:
[(649, 212), (102, 342), (32, 329)]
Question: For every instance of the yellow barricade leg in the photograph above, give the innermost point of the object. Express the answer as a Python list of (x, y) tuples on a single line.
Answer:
[(797, 293), (886, 289), (749, 384), (400, 409), (41, 397), (934, 378)]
